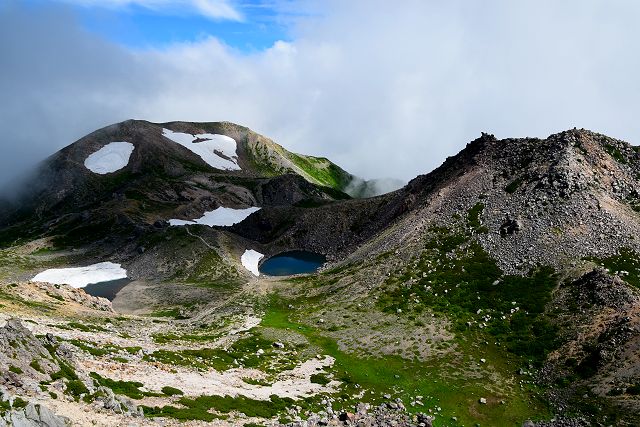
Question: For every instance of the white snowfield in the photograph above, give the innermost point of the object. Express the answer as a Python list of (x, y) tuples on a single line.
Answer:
[(218, 151), (79, 277), (110, 158), (250, 260), (222, 216)]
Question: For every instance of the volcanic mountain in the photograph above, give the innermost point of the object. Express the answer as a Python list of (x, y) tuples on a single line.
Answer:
[(137, 173), (500, 288)]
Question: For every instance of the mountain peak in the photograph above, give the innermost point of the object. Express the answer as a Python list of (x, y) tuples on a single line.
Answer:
[(143, 172)]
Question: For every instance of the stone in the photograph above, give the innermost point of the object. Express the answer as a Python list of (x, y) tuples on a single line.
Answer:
[(510, 226)]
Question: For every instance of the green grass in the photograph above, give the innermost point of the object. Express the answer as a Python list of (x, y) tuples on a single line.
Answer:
[(127, 388), (9, 297), (243, 351), (164, 338), (55, 296), (15, 370), (318, 170), (322, 171), (66, 371), (441, 381), (625, 260), (320, 379), (36, 366), (102, 349), (173, 313), (86, 327), (92, 349), (615, 153), (76, 388), (4, 406), (473, 218), (19, 403), (254, 381), (456, 277), (172, 391), (198, 408), (212, 271)]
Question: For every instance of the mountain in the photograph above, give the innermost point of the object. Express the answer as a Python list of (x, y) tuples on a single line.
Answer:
[(171, 170), (502, 288)]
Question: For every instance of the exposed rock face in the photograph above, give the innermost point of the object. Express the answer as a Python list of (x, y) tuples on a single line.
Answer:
[(26, 362), (118, 404), (34, 415), (599, 316), (510, 226), (564, 198), (42, 292), (18, 351), (604, 290)]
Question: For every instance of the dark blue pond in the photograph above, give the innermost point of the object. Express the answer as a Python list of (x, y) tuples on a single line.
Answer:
[(107, 290), (292, 262)]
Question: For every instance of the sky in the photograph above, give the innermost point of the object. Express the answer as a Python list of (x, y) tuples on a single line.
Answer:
[(384, 89)]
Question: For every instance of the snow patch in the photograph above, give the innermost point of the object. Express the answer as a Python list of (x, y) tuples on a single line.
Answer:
[(250, 259), (110, 158), (218, 151), (222, 216), (79, 277)]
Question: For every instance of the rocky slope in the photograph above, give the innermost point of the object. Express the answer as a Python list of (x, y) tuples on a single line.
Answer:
[(573, 194), (499, 289)]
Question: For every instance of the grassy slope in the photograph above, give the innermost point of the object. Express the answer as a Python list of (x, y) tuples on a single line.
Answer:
[(321, 171), (266, 159), (442, 382), (451, 261)]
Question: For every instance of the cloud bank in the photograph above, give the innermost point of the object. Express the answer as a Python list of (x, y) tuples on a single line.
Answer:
[(382, 89)]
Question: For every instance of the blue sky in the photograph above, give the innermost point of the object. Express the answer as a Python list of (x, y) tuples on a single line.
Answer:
[(141, 24)]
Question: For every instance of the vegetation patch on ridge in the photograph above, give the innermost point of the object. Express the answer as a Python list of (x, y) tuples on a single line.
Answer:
[(199, 408), (455, 276)]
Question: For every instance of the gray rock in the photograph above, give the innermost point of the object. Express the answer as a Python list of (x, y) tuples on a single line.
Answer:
[(129, 407), (49, 418), (19, 419), (118, 404)]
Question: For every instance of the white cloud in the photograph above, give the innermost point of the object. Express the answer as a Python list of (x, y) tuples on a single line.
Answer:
[(213, 9), (217, 9), (382, 90)]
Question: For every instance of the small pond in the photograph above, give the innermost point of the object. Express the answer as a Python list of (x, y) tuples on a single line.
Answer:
[(292, 262), (107, 290)]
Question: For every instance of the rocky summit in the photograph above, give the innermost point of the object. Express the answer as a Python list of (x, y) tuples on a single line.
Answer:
[(500, 289)]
